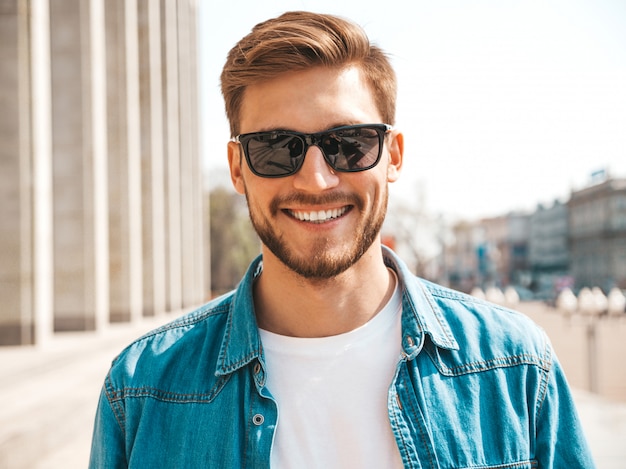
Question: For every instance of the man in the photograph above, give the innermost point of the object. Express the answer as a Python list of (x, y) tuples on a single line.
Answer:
[(330, 353)]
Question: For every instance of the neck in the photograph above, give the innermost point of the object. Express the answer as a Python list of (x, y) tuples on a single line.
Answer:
[(289, 304)]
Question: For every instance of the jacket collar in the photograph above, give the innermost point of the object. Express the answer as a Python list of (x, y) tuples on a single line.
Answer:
[(420, 312), (421, 315), (241, 342)]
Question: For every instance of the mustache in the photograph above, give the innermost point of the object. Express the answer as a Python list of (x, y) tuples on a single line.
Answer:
[(299, 198)]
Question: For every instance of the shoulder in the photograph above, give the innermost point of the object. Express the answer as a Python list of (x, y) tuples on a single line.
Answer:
[(489, 335), (174, 349)]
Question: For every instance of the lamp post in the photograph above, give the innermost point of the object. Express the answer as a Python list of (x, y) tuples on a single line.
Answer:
[(592, 303)]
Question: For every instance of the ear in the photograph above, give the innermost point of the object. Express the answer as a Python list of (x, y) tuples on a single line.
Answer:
[(396, 154), (236, 171)]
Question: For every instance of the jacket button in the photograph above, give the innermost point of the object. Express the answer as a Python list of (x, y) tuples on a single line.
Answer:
[(409, 341), (257, 368), (258, 419)]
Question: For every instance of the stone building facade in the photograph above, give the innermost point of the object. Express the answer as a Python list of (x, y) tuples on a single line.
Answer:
[(573, 244), (503, 254), (461, 256), (101, 215), (489, 252), (597, 234), (548, 253)]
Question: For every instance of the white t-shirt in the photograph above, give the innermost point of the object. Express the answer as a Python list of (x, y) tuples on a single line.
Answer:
[(332, 395)]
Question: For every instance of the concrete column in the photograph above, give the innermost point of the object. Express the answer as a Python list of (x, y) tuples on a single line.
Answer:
[(200, 226), (169, 37), (187, 157), (79, 170), (124, 162), (152, 178), (17, 320), (192, 218), (25, 174), (42, 170)]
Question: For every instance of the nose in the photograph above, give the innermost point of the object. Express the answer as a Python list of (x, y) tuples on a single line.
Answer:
[(315, 175)]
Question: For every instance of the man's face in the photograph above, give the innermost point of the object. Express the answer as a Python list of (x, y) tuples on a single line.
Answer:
[(317, 222)]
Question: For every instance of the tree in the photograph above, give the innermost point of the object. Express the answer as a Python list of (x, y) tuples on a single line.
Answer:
[(234, 243)]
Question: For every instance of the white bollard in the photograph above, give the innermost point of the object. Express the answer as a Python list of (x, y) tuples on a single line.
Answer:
[(567, 301), (478, 293), (616, 302), (511, 297), (495, 295), (586, 303), (600, 301)]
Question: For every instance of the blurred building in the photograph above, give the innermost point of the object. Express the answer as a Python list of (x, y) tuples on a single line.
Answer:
[(100, 177), (506, 249), (489, 252), (461, 256), (597, 234), (574, 244), (548, 253)]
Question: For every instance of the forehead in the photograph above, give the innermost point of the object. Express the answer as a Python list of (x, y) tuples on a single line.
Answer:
[(309, 101)]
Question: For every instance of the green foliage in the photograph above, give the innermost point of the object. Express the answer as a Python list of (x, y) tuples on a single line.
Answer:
[(234, 243)]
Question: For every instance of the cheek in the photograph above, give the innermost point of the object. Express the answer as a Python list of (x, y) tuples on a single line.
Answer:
[(374, 197), (381, 192), (379, 183), (258, 191)]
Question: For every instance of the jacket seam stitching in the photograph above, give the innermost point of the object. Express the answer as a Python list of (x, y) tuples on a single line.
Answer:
[(532, 463), (166, 396), (545, 377), (116, 408), (494, 363), (196, 318), (416, 411)]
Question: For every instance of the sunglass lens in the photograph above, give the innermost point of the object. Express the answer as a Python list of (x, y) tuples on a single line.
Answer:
[(275, 154), (352, 149)]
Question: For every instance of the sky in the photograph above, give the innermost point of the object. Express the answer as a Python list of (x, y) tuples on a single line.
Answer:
[(503, 104)]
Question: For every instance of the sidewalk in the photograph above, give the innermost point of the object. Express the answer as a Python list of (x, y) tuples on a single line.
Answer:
[(49, 397), (604, 423)]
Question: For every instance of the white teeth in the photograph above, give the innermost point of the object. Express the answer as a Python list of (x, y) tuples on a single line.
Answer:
[(320, 216)]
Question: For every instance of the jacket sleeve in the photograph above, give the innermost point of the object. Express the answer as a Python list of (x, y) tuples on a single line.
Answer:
[(560, 443), (107, 446)]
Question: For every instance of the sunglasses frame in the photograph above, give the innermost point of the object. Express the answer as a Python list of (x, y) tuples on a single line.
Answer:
[(314, 139)]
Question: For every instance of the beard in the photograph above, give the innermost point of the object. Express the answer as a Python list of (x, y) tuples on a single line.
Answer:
[(321, 262)]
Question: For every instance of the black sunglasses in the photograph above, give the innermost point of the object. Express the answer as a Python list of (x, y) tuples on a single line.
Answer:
[(280, 153)]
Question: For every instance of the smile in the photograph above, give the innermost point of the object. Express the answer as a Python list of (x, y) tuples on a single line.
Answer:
[(320, 216)]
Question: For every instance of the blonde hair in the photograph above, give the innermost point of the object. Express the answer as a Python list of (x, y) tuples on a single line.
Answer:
[(300, 40)]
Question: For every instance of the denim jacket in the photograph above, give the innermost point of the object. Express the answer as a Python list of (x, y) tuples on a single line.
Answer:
[(477, 386)]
